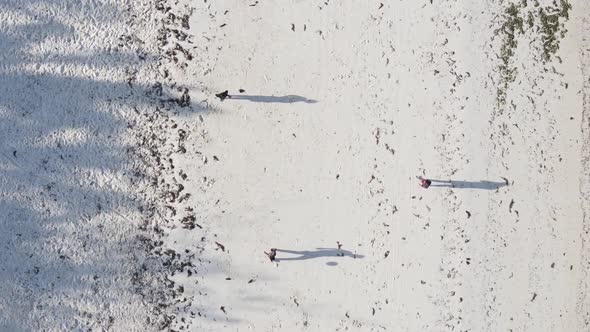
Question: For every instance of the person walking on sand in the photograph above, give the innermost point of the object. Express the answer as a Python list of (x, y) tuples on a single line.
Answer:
[(272, 254), (340, 253), (424, 183), (223, 95)]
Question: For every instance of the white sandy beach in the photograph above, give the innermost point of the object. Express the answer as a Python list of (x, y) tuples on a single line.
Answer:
[(133, 199)]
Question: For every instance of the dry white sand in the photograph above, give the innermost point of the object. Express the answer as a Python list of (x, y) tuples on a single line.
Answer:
[(133, 199)]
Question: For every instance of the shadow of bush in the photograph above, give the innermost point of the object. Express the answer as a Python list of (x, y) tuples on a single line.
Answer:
[(78, 229)]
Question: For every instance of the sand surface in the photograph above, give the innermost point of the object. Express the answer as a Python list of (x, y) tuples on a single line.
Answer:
[(133, 199)]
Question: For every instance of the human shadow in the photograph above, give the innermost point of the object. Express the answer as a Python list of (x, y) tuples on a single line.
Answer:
[(318, 253), (288, 99), (484, 184)]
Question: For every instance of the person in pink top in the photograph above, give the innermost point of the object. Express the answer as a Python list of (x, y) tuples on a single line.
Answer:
[(425, 183)]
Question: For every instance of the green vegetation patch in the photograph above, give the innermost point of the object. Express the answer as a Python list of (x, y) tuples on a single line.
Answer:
[(544, 23), (512, 26), (552, 27)]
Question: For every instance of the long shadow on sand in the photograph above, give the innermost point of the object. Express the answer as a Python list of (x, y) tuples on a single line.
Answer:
[(318, 253), (288, 99), (486, 185)]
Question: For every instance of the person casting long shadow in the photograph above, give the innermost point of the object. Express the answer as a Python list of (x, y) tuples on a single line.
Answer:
[(460, 184), (287, 99), (318, 253)]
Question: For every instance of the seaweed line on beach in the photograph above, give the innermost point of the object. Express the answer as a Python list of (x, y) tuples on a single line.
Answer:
[(542, 27)]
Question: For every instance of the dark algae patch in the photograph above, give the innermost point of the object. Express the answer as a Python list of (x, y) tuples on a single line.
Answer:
[(552, 27), (541, 27), (513, 25)]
